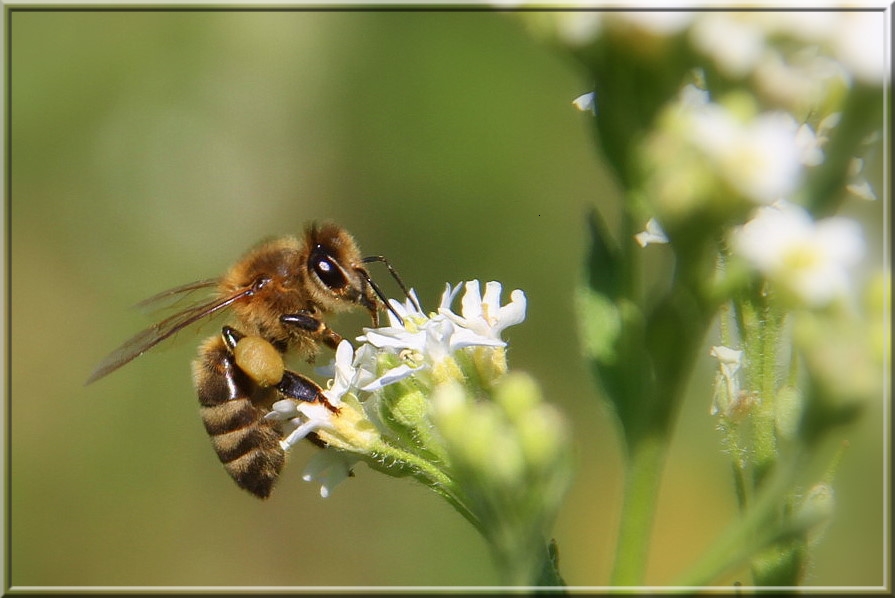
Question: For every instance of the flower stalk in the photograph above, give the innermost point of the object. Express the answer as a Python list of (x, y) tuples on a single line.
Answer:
[(736, 146)]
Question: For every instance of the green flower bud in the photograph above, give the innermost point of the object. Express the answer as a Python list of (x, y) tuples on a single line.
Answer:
[(788, 411)]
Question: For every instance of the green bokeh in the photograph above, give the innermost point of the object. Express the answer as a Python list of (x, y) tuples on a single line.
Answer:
[(149, 149)]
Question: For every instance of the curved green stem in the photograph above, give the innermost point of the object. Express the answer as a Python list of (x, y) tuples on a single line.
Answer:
[(432, 477)]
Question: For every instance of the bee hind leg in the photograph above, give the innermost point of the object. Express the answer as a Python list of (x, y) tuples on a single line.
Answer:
[(264, 364)]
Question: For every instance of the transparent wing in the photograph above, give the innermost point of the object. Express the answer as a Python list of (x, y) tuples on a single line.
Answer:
[(173, 296), (150, 337)]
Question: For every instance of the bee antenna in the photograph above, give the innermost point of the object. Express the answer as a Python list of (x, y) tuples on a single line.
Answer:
[(394, 273), (383, 298)]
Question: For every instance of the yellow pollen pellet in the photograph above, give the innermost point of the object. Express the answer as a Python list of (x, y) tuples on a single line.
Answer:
[(259, 360)]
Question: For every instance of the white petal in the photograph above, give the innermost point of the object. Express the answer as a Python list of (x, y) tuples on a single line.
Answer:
[(862, 190), (393, 338), (282, 410), (586, 102), (735, 43), (399, 308), (842, 238), (298, 434), (471, 304), (809, 146), (329, 467), (860, 40), (729, 359), (514, 312), (344, 375), (315, 415), (464, 337), (652, 234), (393, 375), (447, 298), (491, 301)]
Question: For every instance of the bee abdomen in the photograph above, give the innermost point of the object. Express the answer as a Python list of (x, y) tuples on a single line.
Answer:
[(246, 443)]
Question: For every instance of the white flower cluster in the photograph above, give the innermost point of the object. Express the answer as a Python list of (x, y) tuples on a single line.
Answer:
[(427, 342), (759, 156), (416, 345), (741, 43), (706, 153), (841, 43), (808, 260)]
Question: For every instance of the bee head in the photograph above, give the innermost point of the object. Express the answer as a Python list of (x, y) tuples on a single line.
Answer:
[(335, 268)]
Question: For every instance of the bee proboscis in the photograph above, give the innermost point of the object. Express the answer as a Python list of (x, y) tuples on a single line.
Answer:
[(277, 294)]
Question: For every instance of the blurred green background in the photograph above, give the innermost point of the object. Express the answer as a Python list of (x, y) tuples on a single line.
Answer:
[(150, 149)]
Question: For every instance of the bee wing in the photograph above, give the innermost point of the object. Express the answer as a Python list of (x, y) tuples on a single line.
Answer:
[(175, 295), (150, 337)]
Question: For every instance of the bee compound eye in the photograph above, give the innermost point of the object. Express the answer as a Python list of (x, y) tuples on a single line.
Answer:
[(328, 271)]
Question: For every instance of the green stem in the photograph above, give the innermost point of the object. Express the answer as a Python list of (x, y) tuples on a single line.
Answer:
[(432, 477), (644, 469), (764, 419), (760, 326)]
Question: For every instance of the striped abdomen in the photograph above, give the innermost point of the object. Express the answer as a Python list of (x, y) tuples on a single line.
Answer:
[(247, 444)]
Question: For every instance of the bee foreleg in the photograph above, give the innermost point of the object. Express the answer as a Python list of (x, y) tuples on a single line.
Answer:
[(315, 326)]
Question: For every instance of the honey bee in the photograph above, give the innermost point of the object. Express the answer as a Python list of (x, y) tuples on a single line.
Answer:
[(278, 294)]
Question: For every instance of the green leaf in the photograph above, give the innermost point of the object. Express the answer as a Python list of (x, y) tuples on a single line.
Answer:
[(600, 325), (604, 274)]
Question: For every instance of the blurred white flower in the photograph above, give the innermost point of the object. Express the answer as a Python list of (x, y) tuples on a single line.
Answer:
[(810, 260), (799, 80), (760, 158), (827, 124), (652, 234), (739, 42), (734, 41), (858, 185), (691, 97), (859, 43), (809, 145), (861, 189), (654, 22), (582, 27), (578, 27)]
